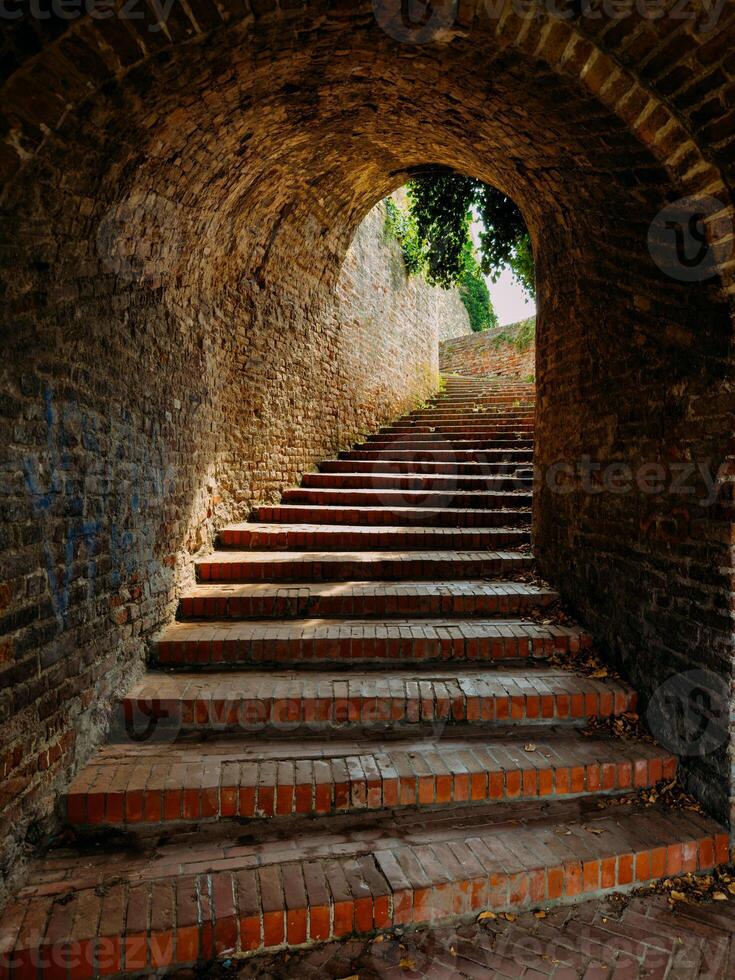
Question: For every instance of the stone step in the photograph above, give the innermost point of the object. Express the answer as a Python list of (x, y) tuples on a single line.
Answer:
[(388, 497), (162, 705), (206, 781), (333, 566), (378, 516), (439, 442), (450, 430), (488, 416), (284, 537), (362, 599), (501, 422), (489, 435), (399, 481), (467, 400), (444, 456), (472, 410), (136, 914), (345, 642), (384, 464)]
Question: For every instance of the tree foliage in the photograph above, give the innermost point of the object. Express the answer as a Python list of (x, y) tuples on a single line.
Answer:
[(443, 206), (419, 259)]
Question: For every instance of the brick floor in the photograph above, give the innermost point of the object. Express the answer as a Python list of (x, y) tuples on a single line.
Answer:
[(628, 938)]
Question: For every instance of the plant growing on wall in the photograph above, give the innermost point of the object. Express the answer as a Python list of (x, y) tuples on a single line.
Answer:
[(418, 259)]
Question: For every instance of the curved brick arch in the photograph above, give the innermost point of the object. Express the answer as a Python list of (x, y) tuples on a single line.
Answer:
[(91, 52)]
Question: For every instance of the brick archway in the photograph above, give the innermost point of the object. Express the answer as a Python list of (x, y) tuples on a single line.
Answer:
[(183, 200)]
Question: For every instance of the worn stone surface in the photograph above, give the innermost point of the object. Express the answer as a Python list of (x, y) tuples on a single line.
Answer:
[(176, 208), (613, 937)]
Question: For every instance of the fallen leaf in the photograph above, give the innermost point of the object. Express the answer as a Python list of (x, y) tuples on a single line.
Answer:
[(595, 830), (540, 914), (719, 896), (529, 747), (486, 915), (509, 916), (678, 896), (407, 964)]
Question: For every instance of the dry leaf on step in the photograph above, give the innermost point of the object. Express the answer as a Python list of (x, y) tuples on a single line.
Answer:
[(529, 747), (486, 915)]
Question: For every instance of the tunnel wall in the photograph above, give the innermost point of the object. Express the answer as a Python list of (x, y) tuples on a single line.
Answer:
[(132, 430), (633, 499)]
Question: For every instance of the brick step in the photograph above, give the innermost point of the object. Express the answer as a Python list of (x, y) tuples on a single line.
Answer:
[(470, 408), (466, 421), (333, 566), (439, 442), (387, 465), (387, 497), (361, 599), (344, 642), (188, 901), (162, 705), (461, 420), (283, 537), (206, 781), (399, 481), (450, 457), (468, 399), (452, 430), (389, 516)]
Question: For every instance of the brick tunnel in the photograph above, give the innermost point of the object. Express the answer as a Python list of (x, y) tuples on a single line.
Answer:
[(180, 190)]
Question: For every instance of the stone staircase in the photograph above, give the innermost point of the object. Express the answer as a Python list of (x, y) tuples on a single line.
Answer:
[(358, 721)]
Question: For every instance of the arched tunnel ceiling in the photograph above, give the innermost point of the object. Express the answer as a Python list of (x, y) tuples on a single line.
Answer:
[(303, 119)]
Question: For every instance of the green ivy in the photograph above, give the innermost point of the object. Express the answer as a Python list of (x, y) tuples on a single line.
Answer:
[(474, 293), (520, 335), (402, 226)]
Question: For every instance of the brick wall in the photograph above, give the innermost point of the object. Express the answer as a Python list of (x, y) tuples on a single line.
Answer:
[(135, 432), (180, 202), (488, 352)]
